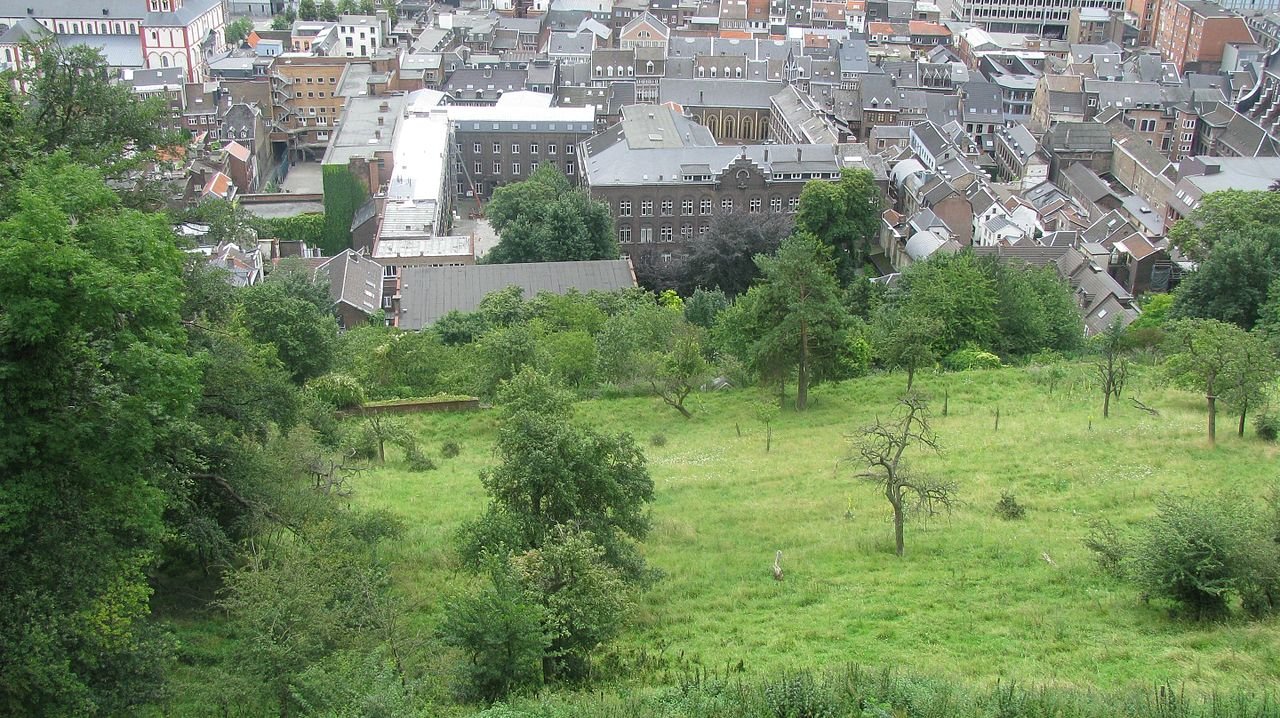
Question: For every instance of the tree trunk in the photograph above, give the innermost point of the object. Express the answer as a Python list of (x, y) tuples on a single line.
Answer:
[(802, 371), (1106, 403), (1213, 419), (911, 375), (683, 411), (899, 544), (768, 437), (1244, 409)]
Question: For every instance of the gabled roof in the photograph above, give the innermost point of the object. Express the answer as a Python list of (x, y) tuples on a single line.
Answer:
[(429, 293), (354, 280), (237, 150)]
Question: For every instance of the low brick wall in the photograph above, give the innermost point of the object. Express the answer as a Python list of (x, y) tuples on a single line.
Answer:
[(414, 407)]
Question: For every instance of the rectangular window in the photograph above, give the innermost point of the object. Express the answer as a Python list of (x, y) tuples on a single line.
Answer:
[(475, 147), (533, 167), (686, 207), (624, 208), (726, 204), (515, 168), (775, 204), (668, 207), (551, 148), (704, 206), (755, 205), (568, 169), (533, 148), (624, 235), (568, 149), (479, 167), (497, 167), (664, 234), (646, 235), (646, 208), (686, 230), (515, 148), (497, 148)]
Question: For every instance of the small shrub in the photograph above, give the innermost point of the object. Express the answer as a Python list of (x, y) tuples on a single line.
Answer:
[(1202, 552), (658, 439), (1267, 426), (450, 449), (1008, 507), (361, 444), (338, 390), (970, 358), (1107, 546), (419, 461)]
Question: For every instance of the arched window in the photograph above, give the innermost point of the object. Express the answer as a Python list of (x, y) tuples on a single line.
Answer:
[(748, 127), (702, 72), (164, 61), (737, 72), (729, 127), (611, 71), (648, 67), (119, 30), (713, 72)]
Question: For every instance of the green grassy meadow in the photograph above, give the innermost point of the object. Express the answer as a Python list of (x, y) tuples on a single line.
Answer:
[(975, 599)]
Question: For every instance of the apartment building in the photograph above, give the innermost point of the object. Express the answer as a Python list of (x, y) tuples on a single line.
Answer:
[(1049, 18), (1191, 34)]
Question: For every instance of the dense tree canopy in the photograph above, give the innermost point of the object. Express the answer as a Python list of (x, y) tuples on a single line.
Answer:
[(724, 257), (844, 215), (96, 385), (543, 219)]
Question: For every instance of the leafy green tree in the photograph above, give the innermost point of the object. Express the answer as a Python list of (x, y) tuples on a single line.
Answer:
[(503, 630), (1035, 310), (72, 106), (798, 315), (348, 7), (1251, 372), (678, 372), (285, 21), (1233, 281), (902, 340), (553, 472), (1202, 351), (392, 9), (287, 311), (723, 257), (238, 30), (1113, 363), (1225, 213), (307, 10), (543, 219), (704, 306), (368, 7), (844, 215), (584, 598), (958, 293), (1155, 311), (327, 11), (97, 387)]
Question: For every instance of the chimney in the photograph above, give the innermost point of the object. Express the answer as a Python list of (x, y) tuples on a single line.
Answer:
[(798, 150), (766, 154), (700, 97)]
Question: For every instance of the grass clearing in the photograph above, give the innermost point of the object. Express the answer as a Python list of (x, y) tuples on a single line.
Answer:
[(974, 598)]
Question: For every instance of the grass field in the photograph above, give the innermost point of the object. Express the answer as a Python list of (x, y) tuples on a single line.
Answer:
[(974, 598)]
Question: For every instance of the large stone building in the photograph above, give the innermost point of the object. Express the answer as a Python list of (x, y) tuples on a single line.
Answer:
[(665, 178), (151, 34), (1049, 18)]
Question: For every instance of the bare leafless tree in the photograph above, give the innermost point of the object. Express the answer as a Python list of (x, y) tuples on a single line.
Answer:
[(881, 447)]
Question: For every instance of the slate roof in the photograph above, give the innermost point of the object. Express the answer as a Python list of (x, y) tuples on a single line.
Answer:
[(718, 93), (114, 9), (429, 293), (354, 280), (1078, 136)]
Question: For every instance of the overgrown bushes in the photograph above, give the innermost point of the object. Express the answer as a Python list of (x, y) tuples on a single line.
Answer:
[(1205, 554)]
